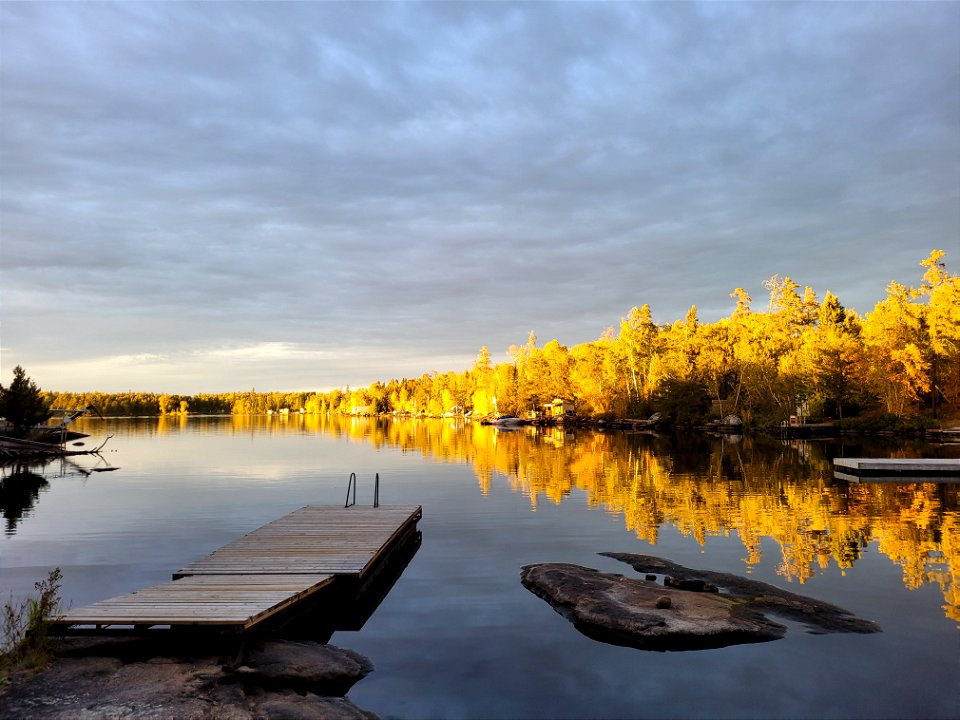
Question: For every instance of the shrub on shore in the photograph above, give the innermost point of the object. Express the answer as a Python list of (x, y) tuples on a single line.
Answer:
[(26, 642)]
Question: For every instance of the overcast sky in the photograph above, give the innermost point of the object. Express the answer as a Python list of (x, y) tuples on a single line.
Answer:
[(218, 196)]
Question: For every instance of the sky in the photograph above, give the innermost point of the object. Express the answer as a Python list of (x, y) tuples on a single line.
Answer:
[(208, 197)]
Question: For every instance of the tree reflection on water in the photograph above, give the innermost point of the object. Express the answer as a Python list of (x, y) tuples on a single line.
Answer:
[(22, 481), (757, 487), (20, 488)]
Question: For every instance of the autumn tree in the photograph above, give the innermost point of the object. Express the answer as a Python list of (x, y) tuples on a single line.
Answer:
[(556, 369), (895, 343), (716, 362), (483, 388), (940, 291), (526, 391), (832, 357), (586, 377), (505, 399), (597, 370), (639, 337)]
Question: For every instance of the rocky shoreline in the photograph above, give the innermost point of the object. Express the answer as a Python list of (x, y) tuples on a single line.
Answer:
[(182, 676)]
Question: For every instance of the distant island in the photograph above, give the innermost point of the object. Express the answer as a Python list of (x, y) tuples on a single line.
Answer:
[(803, 359)]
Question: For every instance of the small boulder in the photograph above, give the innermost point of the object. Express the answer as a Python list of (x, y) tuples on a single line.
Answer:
[(304, 666)]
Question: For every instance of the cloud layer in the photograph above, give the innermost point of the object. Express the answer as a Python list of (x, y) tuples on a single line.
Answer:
[(204, 197)]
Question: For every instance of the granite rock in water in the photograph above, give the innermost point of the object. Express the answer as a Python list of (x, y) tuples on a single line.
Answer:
[(693, 611), (818, 616)]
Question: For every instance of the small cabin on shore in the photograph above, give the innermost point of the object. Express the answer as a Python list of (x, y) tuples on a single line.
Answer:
[(558, 407)]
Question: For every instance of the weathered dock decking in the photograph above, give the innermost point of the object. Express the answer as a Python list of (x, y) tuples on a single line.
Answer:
[(231, 601), (313, 539), (263, 573), (897, 469)]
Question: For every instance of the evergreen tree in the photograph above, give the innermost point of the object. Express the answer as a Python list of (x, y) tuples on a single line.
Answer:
[(23, 404)]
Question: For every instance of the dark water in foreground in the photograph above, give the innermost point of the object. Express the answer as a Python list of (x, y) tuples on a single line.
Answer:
[(458, 636)]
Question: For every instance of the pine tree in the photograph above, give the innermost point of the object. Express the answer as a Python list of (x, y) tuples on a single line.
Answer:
[(22, 404)]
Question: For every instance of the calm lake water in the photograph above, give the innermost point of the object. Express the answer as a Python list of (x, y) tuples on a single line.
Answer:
[(458, 636)]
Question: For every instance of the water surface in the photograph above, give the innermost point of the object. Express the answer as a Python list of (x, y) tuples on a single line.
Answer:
[(458, 636)]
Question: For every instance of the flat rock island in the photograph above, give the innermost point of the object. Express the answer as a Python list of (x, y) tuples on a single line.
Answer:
[(677, 608)]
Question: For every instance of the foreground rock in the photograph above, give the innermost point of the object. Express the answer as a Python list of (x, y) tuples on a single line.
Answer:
[(139, 679), (303, 666), (690, 610)]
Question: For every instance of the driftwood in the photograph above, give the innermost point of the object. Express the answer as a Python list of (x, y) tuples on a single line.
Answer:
[(18, 448)]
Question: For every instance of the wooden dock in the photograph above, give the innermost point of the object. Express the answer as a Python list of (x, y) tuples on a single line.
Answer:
[(897, 469), (264, 573)]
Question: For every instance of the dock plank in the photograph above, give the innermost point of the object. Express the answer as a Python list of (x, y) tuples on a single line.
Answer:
[(313, 539), (237, 601), (265, 572), (897, 469)]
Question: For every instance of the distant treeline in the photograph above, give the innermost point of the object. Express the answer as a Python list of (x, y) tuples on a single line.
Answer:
[(802, 355), (144, 403)]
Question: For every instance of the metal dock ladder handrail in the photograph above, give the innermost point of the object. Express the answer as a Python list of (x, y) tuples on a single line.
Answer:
[(352, 485)]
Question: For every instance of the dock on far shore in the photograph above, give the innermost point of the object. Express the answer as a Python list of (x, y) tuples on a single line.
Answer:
[(301, 556), (897, 469)]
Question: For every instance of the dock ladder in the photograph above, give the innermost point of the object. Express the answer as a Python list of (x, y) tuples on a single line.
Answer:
[(352, 486)]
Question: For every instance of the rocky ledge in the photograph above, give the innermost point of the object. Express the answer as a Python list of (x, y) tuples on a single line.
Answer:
[(678, 608), (115, 678)]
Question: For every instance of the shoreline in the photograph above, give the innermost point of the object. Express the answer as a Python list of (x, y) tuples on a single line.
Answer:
[(188, 676)]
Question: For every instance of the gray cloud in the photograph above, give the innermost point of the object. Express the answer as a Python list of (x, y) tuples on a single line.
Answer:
[(411, 181)]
